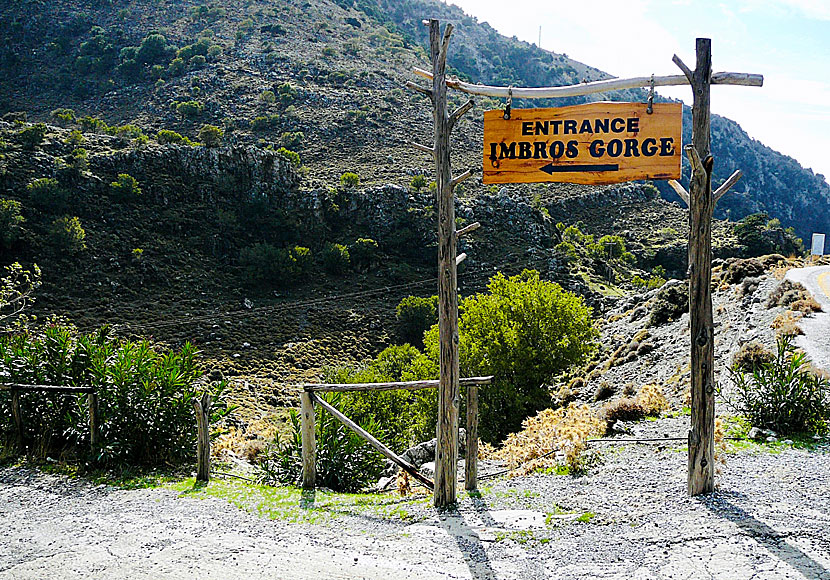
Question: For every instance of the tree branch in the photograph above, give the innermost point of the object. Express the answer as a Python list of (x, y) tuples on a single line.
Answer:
[(456, 115), (445, 45), (423, 148), (418, 89), (679, 190), (467, 229), (682, 65), (466, 175), (726, 186)]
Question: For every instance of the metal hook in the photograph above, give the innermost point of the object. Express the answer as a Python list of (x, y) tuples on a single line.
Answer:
[(509, 102), (650, 107)]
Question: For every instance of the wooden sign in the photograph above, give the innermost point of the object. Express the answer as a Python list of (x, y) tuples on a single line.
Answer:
[(596, 143)]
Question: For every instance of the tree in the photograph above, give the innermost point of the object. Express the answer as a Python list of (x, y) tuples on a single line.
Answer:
[(211, 135), (16, 289), (524, 331)]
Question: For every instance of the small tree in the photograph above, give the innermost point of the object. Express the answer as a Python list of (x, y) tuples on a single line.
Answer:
[(363, 252), (125, 187), (31, 137), (10, 222), (190, 109), (349, 179), (68, 234), (211, 135), (415, 315), (16, 289), (335, 258)]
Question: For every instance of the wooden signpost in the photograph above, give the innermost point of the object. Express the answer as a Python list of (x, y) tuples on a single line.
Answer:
[(519, 164), (596, 143)]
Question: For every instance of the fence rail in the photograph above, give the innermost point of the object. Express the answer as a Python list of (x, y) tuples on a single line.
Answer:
[(308, 399)]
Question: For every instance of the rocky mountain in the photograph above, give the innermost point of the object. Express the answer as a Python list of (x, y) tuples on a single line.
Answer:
[(322, 77)]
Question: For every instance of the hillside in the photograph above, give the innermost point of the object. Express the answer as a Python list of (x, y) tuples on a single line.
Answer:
[(344, 62)]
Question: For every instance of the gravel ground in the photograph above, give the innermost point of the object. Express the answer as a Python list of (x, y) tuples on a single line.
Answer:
[(769, 519), (816, 339)]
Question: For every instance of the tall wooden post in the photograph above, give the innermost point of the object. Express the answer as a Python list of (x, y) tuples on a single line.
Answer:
[(17, 414), (309, 440), (446, 450), (92, 402), (202, 408), (701, 472)]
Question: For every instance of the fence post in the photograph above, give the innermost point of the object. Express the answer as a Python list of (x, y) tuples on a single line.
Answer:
[(203, 442), (93, 420), (309, 441), (18, 419), (471, 459)]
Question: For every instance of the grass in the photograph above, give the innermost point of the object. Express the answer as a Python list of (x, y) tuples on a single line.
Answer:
[(293, 505)]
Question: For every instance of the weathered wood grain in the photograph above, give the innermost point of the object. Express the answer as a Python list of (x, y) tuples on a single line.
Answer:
[(309, 440)]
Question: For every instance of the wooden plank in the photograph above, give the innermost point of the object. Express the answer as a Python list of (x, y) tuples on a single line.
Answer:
[(718, 78), (202, 408), (596, 143), (471, 457), (446, 449), (309, 440), (401, 385), (383, 449), (44, 388), (701, 464)]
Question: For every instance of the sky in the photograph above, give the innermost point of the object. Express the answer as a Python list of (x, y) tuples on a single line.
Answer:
[(787, 41)]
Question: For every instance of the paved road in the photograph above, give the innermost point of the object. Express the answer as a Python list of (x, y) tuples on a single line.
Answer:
[(816, 339)]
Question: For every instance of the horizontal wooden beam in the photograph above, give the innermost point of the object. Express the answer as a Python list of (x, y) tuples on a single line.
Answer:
[(460, 258), (45, 388), (718, 78), (403, 385), (383, 449)]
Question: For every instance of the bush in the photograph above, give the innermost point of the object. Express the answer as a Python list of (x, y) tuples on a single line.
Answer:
[(784, 394), (751, 356), (265, 122), (268, 97), (68, 234), (345, 462), (363, 252), (292, 140), (670, 304), (211, 135), (46, 194), (153, 49), (624, 409), (335, 258), (290, 156), (418, 182), (349, 179), (125, 187), (144, 394), (524, 332), (64, 115), (264, 263), (31, 137), (415, 315), (11, 222), (287, 93), (166, 137), (75, 138), (190, 109)]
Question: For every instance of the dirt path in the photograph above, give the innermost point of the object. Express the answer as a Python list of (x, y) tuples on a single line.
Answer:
[(769, 519), (816, 339)]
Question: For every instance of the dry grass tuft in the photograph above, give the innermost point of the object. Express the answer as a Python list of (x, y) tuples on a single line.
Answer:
[(786, 324), (402, 481), (552, 438), (652, 399)]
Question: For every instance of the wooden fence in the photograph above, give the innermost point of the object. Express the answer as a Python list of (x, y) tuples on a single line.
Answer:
[(308, 398), (17, 415)]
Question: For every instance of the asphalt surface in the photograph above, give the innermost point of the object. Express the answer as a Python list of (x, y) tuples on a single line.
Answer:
[(816, 339)]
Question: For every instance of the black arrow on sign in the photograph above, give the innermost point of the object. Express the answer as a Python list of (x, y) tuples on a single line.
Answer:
[(550, 168)]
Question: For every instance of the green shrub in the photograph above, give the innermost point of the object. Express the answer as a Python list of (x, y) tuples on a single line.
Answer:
[(345, 462), (268, 97), (75, 138), (290, 156), (670, 304), (567, 250), (190, 109), (64, 116), (144, 394), (264, 263), (152, 50), (176, 67), (335, 258), (524, 331), (211, 135), (573, 235), (751, 356), (783, 393), (287, 93), (125, 187), (197, 61), (93, 125), (46, 194), (363, 252), (418, 182), (32, 136), (11, 222), (265, 122), (67, 234), (415, 315), (349, 179), (647, 284), (166, 137), (292, 140)]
